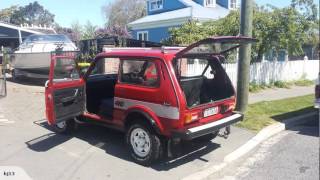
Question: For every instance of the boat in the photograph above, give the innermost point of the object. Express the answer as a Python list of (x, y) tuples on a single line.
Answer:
[(32, 58)]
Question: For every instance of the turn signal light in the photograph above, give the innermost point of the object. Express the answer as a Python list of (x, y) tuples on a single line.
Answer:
[(189, 117), (232, 106)]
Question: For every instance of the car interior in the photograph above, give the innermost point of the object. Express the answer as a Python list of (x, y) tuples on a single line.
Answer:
[(100, 85), (212, 84)]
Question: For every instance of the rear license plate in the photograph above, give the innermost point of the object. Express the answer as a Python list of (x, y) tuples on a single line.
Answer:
[(210, 111)]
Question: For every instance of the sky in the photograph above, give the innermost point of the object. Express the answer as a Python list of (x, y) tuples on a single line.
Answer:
[(69, 11)]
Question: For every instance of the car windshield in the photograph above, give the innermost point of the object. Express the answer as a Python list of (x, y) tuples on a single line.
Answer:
[(47, 38)]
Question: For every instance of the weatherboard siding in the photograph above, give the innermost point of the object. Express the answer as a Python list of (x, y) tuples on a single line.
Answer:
[(155, 34)]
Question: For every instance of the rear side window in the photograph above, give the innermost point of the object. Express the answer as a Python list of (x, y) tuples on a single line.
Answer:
[(139, 72)]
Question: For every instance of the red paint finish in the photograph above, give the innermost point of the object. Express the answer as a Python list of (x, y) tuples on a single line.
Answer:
[(163, 99)]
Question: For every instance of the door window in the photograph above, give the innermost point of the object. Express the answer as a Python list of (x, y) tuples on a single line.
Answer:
[(65, 69), (139, 72)]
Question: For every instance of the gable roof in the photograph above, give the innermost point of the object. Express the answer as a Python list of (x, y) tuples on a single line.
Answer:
[(165, 18), (177, 17)]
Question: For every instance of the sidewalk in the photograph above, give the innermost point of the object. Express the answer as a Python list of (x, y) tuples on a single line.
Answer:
[(280, 93)]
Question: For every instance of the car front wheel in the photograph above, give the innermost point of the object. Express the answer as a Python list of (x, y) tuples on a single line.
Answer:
[(144, 144)]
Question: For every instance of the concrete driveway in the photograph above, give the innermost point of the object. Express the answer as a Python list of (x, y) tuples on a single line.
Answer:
[(91, 152)]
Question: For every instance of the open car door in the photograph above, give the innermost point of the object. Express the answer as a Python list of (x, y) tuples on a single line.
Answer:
[(64, 93), (215, 46)]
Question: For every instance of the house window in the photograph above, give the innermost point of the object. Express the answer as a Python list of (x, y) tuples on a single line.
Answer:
[(210, 3), (233, 4), (142, 35), (155, 5)]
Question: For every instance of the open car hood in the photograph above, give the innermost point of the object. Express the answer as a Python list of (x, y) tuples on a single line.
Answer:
[(215, 45)]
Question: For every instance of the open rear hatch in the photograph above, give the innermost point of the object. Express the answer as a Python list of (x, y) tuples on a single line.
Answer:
[(209, 93), (200, 73), (215, 46)]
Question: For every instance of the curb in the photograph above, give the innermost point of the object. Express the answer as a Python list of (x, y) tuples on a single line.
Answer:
[(264, 134)]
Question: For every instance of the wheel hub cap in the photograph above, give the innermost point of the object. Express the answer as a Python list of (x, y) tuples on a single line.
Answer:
[(61, 124), (140, 141)]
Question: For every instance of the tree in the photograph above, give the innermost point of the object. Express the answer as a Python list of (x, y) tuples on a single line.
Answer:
[(275, 28), (77, 31), (113, 31), (121, 12), (308, 7), (32, 13), (6, 14), (88, 31), (66, 31)]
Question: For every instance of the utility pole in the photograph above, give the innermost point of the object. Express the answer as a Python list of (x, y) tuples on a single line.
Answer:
[(244, 56)]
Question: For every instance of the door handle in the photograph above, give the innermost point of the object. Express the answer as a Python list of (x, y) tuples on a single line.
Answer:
[(70, 98), (67, 99), (166, 104)]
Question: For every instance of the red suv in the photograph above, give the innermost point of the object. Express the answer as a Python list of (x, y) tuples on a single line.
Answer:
[(153, 95)]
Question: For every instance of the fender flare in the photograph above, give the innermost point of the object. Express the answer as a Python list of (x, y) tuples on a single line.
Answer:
[(148, 114)]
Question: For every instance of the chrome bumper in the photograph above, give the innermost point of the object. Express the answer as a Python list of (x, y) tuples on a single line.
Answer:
[(198, 131)]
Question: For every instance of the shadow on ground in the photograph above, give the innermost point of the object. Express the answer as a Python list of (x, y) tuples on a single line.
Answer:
[(113, 144), (29, 81), (312, 121)]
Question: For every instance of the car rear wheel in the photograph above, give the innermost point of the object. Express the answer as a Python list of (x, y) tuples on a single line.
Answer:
[(144, 144)]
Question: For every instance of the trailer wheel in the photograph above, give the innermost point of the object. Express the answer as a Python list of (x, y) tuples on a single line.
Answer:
[(144, 144), (64, 127), (15, 78)]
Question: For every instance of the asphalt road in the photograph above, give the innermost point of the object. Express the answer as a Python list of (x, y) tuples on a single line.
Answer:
[(292, 154), (91, 152)]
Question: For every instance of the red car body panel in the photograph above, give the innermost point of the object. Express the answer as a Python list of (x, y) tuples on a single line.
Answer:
[(164, 105)]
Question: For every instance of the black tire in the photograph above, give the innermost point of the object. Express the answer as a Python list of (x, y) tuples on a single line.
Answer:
[(15, 78), (69, 126), (156, 148), (207, 137)]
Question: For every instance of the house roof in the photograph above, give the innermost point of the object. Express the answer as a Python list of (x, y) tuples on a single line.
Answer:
[(178, 17), (14, 27), (163, 18)]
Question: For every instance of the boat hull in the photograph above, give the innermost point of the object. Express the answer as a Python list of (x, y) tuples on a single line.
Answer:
[(35, 65), (40, 73)]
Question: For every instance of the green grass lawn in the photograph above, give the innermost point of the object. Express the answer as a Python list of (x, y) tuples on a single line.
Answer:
[(262, 114)]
